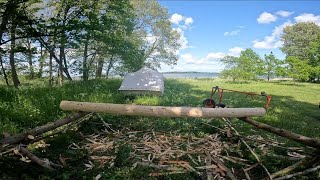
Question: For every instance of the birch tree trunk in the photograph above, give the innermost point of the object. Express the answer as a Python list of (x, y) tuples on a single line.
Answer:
[(14, 74)]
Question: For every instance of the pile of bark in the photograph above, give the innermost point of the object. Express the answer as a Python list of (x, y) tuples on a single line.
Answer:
[(213, 156)]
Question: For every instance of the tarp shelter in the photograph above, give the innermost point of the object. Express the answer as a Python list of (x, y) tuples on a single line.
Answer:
[(144, 81)]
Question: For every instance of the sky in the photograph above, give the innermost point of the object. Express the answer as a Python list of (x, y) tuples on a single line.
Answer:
[(210, 29)]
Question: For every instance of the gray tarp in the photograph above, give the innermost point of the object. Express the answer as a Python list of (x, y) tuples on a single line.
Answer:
[(144, 81)]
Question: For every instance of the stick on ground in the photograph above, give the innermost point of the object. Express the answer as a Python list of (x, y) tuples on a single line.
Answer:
[(35, 159), (299, 173), (292, 167), (249, 148), (42, 129), (311, 142)]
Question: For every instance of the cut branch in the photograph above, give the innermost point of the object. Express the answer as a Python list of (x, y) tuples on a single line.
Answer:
[(35, 159), (42, 129), (292, 167), (311, 142), (299, 173)]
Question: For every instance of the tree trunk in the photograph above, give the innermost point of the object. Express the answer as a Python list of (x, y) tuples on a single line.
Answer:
[(31, 69), (109, 66), (51, 50), (4, 71), (85, 61), (99, 68), (50, 70), (268, 77), (60, 73), (14, 74), (65, 68), (41, 61)]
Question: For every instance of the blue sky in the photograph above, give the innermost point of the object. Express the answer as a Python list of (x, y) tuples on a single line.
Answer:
[(211, 30)]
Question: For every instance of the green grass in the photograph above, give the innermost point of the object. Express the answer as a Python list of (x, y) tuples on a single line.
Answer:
[(294, 106)]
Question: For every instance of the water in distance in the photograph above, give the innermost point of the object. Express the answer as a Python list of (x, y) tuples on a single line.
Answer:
[(190, 75)]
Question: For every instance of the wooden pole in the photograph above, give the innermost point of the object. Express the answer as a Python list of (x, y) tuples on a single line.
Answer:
[(161, 111), (311, 142)]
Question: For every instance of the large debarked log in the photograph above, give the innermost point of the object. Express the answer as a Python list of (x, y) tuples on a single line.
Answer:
[(161, 111)]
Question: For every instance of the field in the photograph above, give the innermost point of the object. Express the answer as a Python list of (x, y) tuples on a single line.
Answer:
[(294, 106)]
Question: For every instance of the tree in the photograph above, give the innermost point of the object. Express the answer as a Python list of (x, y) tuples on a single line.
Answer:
[(298, 69), (302, 41), (246, 67), (297, 38), (153, 34), (271, 64), (315, 57)]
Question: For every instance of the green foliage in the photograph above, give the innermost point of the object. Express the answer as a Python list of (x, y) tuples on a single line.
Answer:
[(297, 39), (246, 67), (315, 57), (271, 66), (83, 36), (302, 42), (298, 69), (153, 33)]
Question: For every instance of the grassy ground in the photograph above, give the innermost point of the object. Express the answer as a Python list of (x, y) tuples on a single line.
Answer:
[(294, 106)]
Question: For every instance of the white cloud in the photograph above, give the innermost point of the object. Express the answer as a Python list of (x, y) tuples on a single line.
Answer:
[(188, 21), (183, 41), (266, 18), (308, 18), (212, 58), (182, 23), (231, 33), (235, 51), (215, 56), (176, 18), (284, 13), (187, 57), (272, 41)]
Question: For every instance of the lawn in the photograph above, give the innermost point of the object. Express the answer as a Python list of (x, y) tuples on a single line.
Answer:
[(294, 106)]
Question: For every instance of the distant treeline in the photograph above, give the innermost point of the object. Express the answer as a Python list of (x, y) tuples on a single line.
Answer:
[(301, 44)]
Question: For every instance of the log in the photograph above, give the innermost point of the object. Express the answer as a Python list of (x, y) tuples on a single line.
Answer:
[(161, 111), (289, 176), (35, 159), (292, 167), (311, 142), (41, 129)]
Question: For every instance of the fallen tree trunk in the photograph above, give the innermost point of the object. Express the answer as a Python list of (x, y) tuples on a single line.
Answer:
[(42, 129), (311, 142), (160, 111)]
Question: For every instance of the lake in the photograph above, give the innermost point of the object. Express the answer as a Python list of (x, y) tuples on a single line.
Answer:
[(190, 75)]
